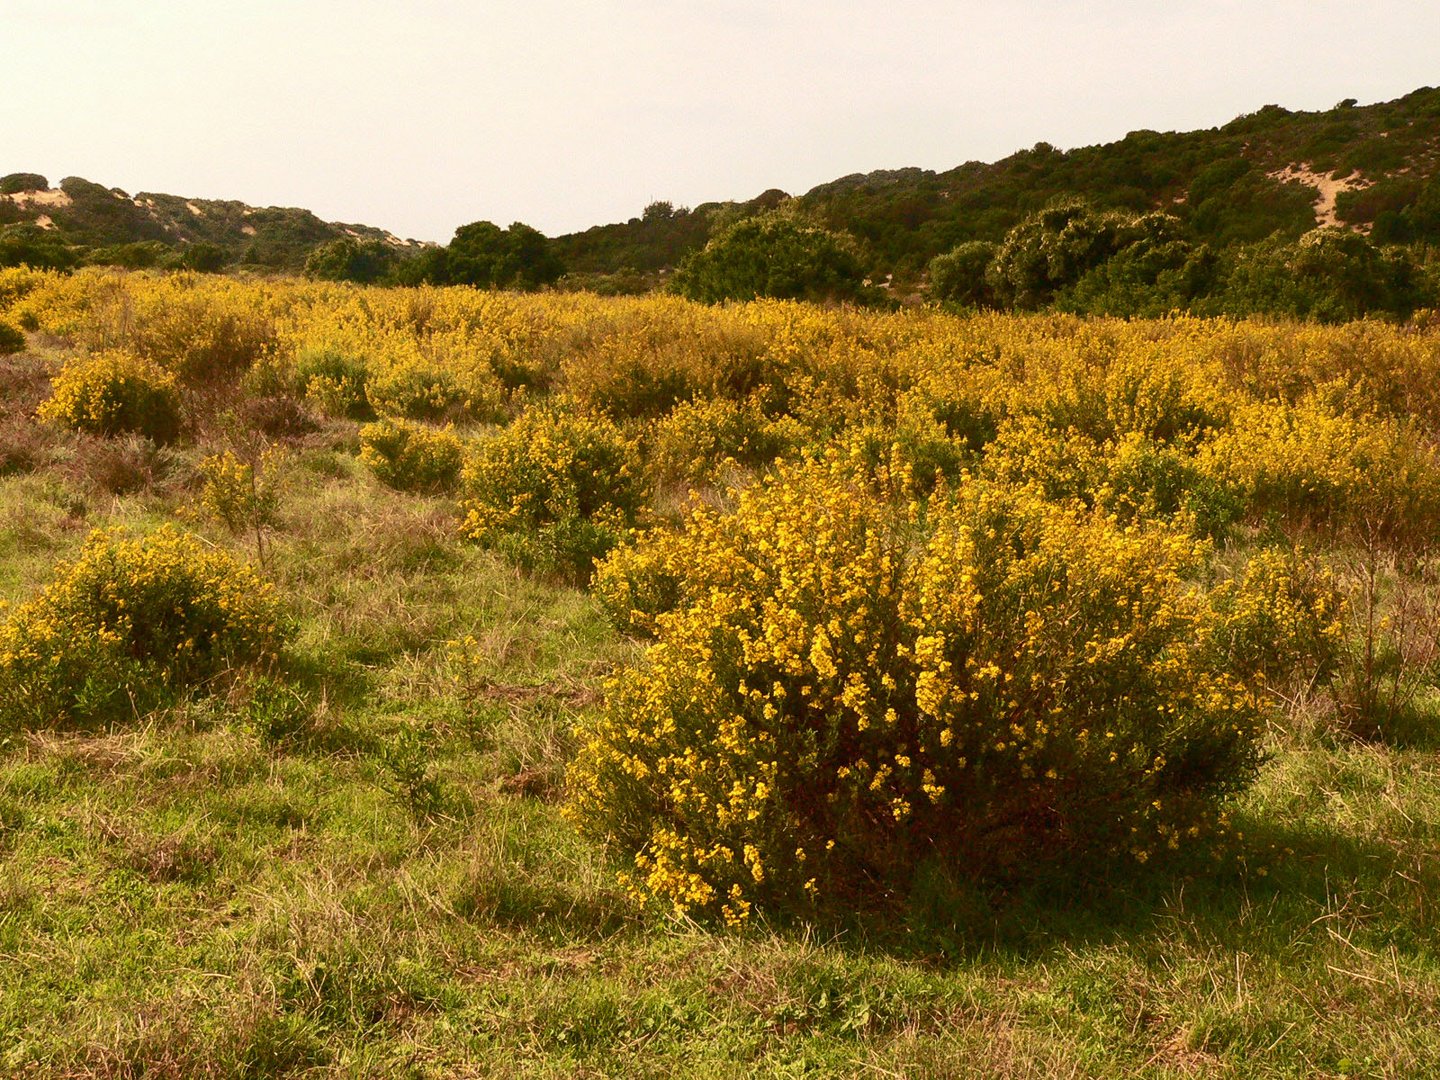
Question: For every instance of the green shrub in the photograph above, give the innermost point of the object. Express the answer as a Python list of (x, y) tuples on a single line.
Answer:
[(847, 694), (128, 624), (555, 490), (349, 259), (958, 276), (12, 340), (412, 457), (204, 257), (112, 393), (772, 255), (23, 181)]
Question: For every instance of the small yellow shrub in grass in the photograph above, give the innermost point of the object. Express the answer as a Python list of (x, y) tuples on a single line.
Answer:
[(128, 623), (113, 393), (849, 691), (412, 457), (334, 382), (1279, 621), (555, 490), (243, 495)]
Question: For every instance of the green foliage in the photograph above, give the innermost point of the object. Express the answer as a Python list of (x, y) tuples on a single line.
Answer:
[(1232, 201), (203, 257), (111, 393), (278, 714), (27, 245), (140, 255), (1066, 245), (127, 624), (23, 181), (486, 256), (1051, 250), (12, 340), (411, 780), (409, 456), (349, 259), (772, 255), (1329, 275), (959, 276)]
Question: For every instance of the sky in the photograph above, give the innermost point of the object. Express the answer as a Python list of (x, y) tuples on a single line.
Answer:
[(422, 115)]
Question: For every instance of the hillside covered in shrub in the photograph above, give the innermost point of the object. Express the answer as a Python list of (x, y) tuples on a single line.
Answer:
[(1325, 215), (84, 222), (1269, 173)]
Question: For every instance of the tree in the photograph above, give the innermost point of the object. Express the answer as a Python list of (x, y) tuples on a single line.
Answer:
[(486, 256), (23, 181), (1051, 250), (349, 259), (772, 255), (958, 276)]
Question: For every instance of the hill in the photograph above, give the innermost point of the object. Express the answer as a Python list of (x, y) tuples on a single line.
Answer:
[(1372, 168), (1270, 174), (85, 221)]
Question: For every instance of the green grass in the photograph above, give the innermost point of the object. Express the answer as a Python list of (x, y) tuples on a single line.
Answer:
[(372, 878)]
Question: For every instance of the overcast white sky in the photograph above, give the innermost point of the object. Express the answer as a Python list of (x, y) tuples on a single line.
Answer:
[(421, 115)]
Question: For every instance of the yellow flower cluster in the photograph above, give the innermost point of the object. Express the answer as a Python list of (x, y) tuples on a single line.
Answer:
[(131, 620), (844, 688), (1279, 621), (1320, 469), (411, 456), (241, 495), (113, 392), (556, 488)]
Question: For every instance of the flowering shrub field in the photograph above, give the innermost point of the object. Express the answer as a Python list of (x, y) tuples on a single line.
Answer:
[(398, 681), (993, 591)]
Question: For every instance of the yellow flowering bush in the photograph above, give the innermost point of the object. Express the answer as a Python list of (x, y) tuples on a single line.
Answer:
[(129, 622), (409, 456), (1280, 620), (334, 382), (200, 327), (555, 490), (640, 581), (244, 496), (423, 392), (697, 440), (1315, 468), (113, 393), (847, 689)]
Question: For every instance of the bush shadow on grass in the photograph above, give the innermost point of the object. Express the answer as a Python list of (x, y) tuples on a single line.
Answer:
[(1293, 874)]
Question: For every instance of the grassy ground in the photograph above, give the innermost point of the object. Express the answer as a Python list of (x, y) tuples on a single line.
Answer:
[(373, 878)]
